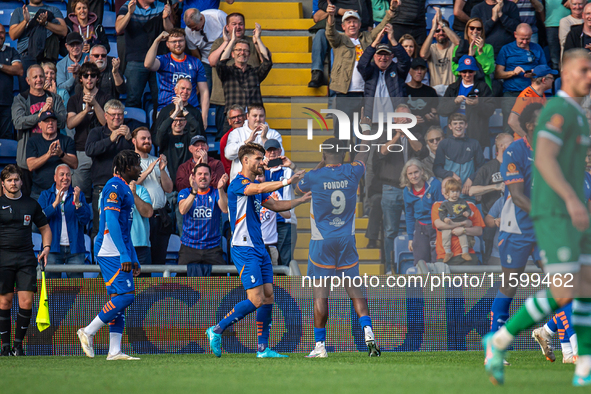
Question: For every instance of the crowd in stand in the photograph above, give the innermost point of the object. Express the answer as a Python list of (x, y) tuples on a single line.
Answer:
[(68, 116)]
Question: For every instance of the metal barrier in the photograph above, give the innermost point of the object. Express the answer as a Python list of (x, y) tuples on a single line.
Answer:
[(166, 270), (479, 269)]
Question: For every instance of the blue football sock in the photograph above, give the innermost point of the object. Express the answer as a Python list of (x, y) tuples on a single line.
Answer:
[(115, 306), (264, 318), (237, 313), (365, 321), (566, 321), (553, 324), (319, 334), (118, 324), (500, 311)]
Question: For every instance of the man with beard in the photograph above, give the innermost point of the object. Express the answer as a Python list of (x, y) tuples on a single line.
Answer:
[(102, 145), (156, 179), (182, 91), (85, 112), (115, 255), (175, 65), (439, 54), (18, 263), (246, 196), (110, 79)]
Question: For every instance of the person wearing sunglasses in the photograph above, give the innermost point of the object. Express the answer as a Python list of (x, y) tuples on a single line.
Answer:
[(433, 137), (473, 44), (85, 112), (110, 79), (439, 54)]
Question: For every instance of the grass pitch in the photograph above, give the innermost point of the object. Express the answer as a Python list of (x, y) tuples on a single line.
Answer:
[(420, 372)]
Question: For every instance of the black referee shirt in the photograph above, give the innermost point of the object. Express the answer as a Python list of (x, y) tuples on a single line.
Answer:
[(16, 219)]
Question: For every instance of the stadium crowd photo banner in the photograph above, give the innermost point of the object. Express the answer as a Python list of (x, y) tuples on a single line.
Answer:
[(170, 315)]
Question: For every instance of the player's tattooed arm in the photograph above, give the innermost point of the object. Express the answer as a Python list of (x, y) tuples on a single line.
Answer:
[(286, 205)]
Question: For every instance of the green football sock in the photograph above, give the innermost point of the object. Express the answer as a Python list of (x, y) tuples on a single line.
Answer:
[(581, 321), (533, 311)]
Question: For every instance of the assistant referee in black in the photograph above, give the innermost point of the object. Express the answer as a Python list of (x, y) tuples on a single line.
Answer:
[(18, 265)]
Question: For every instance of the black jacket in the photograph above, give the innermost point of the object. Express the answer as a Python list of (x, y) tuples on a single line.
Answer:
[(102, 151), (412, 13), (395, 74), (574, 39), (478, 115)]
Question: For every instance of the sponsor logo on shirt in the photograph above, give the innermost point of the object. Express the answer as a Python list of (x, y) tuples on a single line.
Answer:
[(113, 198), (512, 169), (27, 220), (202, 213), (337, 222)]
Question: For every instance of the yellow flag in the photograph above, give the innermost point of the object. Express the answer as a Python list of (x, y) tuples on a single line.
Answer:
[(43, 312)]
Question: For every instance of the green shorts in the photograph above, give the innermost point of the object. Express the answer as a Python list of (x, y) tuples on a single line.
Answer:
[(562, 247)]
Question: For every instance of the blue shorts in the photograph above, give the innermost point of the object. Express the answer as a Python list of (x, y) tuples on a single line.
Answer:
[(254, 266), (335, 256), (515, 250), (117, 281)]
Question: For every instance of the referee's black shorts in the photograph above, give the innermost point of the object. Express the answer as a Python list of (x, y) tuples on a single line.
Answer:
[(18, 270)]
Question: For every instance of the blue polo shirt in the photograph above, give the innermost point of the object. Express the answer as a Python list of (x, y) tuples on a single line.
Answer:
[(511, 56), (141, 31)]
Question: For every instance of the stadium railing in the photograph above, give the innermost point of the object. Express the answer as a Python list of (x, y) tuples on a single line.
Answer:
[(166, 270)]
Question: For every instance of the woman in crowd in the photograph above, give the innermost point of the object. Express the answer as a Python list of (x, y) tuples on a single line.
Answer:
[(50, 85), (421, 190), (409, 43), (85, 23), (474, 44)]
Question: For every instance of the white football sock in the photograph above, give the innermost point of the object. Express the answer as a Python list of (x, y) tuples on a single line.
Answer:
[(583, 365), (567, 349), (115, 343), (574, 345), (94, 326), (548, 330), (368, 333)]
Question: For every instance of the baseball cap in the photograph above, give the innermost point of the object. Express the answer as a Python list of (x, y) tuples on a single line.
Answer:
[(350, 14), (272, 144), (418, 62), (74, 38), (46, 115), (542, 70), (467, 63), (198, 138), (383, 48)]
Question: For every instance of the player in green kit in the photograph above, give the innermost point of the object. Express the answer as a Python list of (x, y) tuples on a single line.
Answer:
[(561, 220)]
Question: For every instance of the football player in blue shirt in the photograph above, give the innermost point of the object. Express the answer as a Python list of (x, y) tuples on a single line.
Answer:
[(333, 251), (246, 196), (517, 240), (115, 255)]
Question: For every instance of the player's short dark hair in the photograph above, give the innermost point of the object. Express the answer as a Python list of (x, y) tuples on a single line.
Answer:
[(256, 106), (528, 114), (250, 148), (335, 142), (88, 68), (137, 130), (457, 118), (201, 165), (234, 15), (125, 160), (9, 170), (453, 185)]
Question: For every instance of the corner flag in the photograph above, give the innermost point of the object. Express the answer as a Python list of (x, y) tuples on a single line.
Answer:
[(43, 311)]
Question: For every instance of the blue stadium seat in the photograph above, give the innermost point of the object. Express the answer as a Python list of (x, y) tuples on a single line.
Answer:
[(429, 16), (436, 3), (9, 42), (211, 117), (174, 245), (7, 152), (557, 84), (496, 120), (109, 18), (211, 130), (113, 52), (478, 248), (135, 113), (37, 242), (5, 18), (91, 275), (10, 5), (150, 116), (402, 256)]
